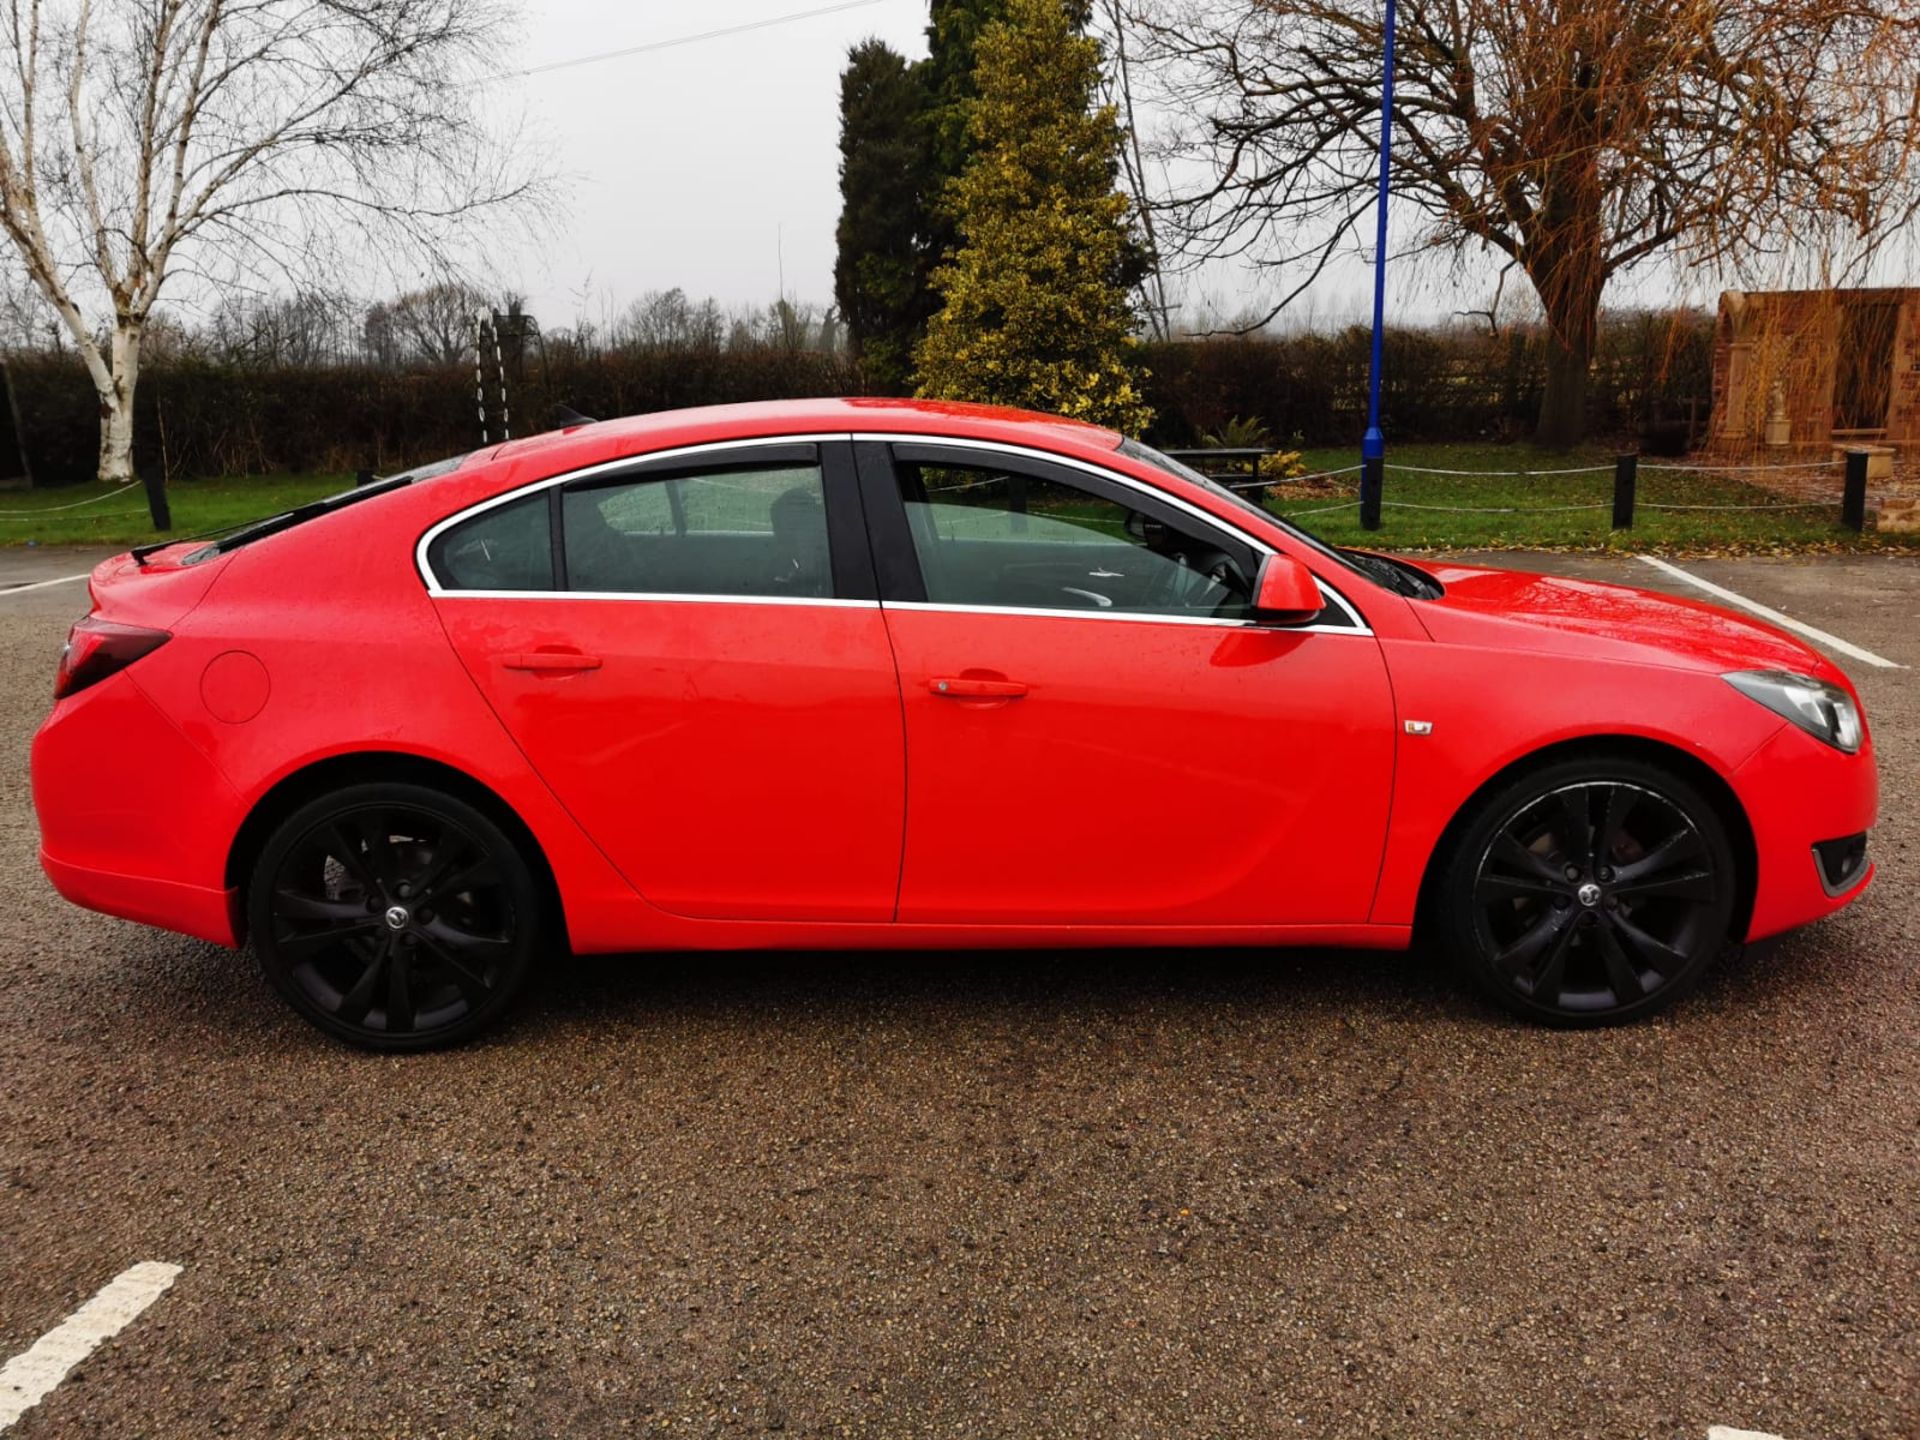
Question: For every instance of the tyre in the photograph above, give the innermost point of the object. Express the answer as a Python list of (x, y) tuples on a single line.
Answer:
[(1588, 892), (393, 916)]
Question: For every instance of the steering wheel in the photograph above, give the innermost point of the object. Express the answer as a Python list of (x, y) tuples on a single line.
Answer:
[(1191, 575)]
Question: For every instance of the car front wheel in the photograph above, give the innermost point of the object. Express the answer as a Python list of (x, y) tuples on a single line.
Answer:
[(1589, 892), (393, 916)]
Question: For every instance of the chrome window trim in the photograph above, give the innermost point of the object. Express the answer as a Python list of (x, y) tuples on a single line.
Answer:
[(1137, 616), (671, 597), (625, 462), (1205, 518)]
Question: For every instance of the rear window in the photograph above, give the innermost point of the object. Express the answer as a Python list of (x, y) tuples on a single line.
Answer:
[(509, 547), (737, 530)]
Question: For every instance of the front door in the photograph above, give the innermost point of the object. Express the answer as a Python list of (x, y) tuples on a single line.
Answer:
[(1096, 733), (699, 671)]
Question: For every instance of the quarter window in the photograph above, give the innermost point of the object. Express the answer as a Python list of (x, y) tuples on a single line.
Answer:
[(752, 531), (987, 536), (509, 547)]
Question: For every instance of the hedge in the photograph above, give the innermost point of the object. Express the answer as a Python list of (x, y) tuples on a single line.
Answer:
[(194, 417), (200, 417), (1438, 385)]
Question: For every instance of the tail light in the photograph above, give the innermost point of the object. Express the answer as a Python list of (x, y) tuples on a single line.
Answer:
[(97, 648)]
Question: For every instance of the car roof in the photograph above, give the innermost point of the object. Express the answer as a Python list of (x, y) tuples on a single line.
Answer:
[(638, 434)]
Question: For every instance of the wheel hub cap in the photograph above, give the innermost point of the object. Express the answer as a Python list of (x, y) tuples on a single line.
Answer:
[(398, 917), (1588, 895)]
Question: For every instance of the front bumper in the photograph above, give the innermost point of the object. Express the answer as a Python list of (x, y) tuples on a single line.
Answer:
[(1799, 794), (1842, 863)]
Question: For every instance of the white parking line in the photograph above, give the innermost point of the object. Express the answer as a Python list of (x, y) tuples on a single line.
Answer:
[(42, 584), (27, 1378), (1727, 1432), (1768, 613)]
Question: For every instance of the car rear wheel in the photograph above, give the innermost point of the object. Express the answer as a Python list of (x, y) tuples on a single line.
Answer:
[(393, 916), (1589, 892)]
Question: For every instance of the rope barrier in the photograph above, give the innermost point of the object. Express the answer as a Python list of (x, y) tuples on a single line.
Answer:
[(1742, 469), (27, 519), (1293, 479), (1801, 505), (1498, 474), (28, 516), (1495, 509), (1321, 510), (56, 509), (1644, 465)]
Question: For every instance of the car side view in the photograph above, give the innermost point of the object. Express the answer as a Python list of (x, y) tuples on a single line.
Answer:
[(876, 673)]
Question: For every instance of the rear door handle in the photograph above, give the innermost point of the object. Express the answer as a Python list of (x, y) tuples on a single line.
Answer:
[(967, 688), (550, 660)]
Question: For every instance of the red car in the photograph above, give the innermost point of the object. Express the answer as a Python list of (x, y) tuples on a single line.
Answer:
[(872, 673)]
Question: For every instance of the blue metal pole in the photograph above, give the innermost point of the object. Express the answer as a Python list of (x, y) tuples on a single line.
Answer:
[(1373, 448)]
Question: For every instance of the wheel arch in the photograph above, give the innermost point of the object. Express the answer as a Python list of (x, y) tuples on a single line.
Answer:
[(360, 767), (1710, 782)]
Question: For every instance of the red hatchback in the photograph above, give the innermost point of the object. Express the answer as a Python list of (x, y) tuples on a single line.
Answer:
[(872, 673)]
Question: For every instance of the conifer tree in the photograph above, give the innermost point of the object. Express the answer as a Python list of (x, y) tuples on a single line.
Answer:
[(1036, 305), (880, 274)]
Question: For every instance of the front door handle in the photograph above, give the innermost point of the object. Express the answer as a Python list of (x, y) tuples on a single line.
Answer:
[(969, 688), (554, 660)]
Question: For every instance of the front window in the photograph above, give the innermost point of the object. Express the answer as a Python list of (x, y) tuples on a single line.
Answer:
[(1395, 575), (993, 537)]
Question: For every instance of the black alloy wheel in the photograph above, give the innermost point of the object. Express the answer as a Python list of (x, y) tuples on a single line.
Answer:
[(1591, 892), (393, 916)]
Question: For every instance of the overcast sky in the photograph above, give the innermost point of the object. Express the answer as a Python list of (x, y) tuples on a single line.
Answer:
[(711, 165)]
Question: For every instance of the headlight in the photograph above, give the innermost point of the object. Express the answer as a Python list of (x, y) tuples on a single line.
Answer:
[(1824, 711)]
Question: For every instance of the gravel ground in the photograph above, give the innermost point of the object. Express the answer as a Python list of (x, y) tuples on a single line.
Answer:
[(1160, 1194)]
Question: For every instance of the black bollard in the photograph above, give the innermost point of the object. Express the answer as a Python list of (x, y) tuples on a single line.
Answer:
[(1626, 477), (1853, 499), (1371, 472)]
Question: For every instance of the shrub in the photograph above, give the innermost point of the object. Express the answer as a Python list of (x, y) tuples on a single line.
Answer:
[(1238, 434)]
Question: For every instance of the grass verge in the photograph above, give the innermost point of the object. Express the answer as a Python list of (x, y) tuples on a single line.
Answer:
[(1543, 519), (51, 517)]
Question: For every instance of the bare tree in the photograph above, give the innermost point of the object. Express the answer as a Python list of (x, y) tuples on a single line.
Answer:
[(1576, 138), (1117, 85), (234, 139), (436, 325), (667, 319), (25, 321), (307, 328)]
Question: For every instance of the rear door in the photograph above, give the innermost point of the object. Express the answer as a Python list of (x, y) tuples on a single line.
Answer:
[(689, 650), (1097, 731)]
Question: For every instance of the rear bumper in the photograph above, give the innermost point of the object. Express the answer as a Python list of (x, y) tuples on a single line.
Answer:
[(1800, 794), (171, 904), (134, 820)]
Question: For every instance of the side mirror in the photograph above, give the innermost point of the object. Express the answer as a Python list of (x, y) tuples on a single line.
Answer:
[(1285, 592)]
